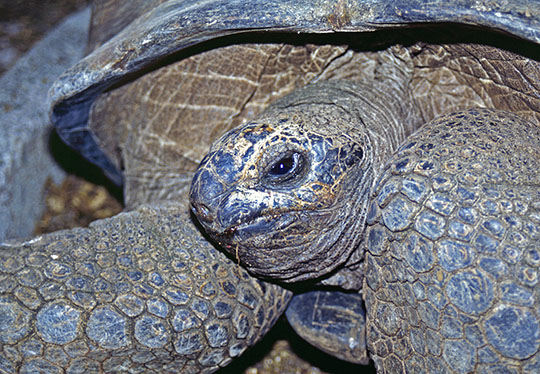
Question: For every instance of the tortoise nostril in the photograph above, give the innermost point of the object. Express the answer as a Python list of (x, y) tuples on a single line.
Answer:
[(202, 212)]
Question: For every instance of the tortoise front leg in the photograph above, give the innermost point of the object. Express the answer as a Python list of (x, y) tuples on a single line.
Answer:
[(452, 268), (140, 292)]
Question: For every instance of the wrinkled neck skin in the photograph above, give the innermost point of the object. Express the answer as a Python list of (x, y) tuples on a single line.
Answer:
[(389, 115), (308, 224)]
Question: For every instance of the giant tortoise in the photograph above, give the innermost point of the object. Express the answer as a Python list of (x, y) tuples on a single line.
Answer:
[(439, 236)]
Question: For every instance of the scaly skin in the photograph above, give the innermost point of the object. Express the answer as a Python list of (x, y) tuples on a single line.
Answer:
[(451, 271), (140, 292), (291, 227), (149, 149), (452, 258)]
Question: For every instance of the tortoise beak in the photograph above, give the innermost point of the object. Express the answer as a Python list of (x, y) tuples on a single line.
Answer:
[(204, 193), (227, 211)]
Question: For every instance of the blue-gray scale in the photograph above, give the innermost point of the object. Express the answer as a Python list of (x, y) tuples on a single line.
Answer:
[(476, 271)]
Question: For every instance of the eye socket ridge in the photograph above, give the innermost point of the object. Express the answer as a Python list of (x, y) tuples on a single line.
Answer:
[(287, 167)]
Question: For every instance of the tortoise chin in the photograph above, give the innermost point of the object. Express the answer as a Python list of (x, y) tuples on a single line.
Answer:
[(259, 239), (285, 245)]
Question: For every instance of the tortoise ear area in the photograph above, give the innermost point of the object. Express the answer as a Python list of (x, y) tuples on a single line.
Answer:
[(351, 155)]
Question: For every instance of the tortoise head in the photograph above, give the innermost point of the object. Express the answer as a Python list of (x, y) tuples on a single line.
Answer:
[(286, 194)]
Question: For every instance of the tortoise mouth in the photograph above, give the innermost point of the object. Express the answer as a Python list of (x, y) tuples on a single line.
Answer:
[(259, 232), (285, 248)]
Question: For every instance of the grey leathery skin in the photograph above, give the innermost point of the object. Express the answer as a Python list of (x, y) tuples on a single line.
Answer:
[(457, 208), (294, 217), (332, 321)]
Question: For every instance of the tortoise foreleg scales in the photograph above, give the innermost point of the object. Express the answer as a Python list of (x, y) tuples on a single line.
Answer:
[(140, 292), (451, 274)]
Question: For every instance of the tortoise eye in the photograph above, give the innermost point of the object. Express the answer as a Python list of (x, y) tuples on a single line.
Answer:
[(286, 168), (283, 166)]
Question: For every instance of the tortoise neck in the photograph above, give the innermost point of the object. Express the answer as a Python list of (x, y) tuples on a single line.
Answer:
[(394, 115), (373, 116), (387, 114)]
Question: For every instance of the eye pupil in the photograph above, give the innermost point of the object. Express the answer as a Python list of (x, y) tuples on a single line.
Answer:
[(283, 166)]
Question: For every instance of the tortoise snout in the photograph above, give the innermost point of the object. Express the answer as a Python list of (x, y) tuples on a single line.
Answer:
[(205, 191)]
